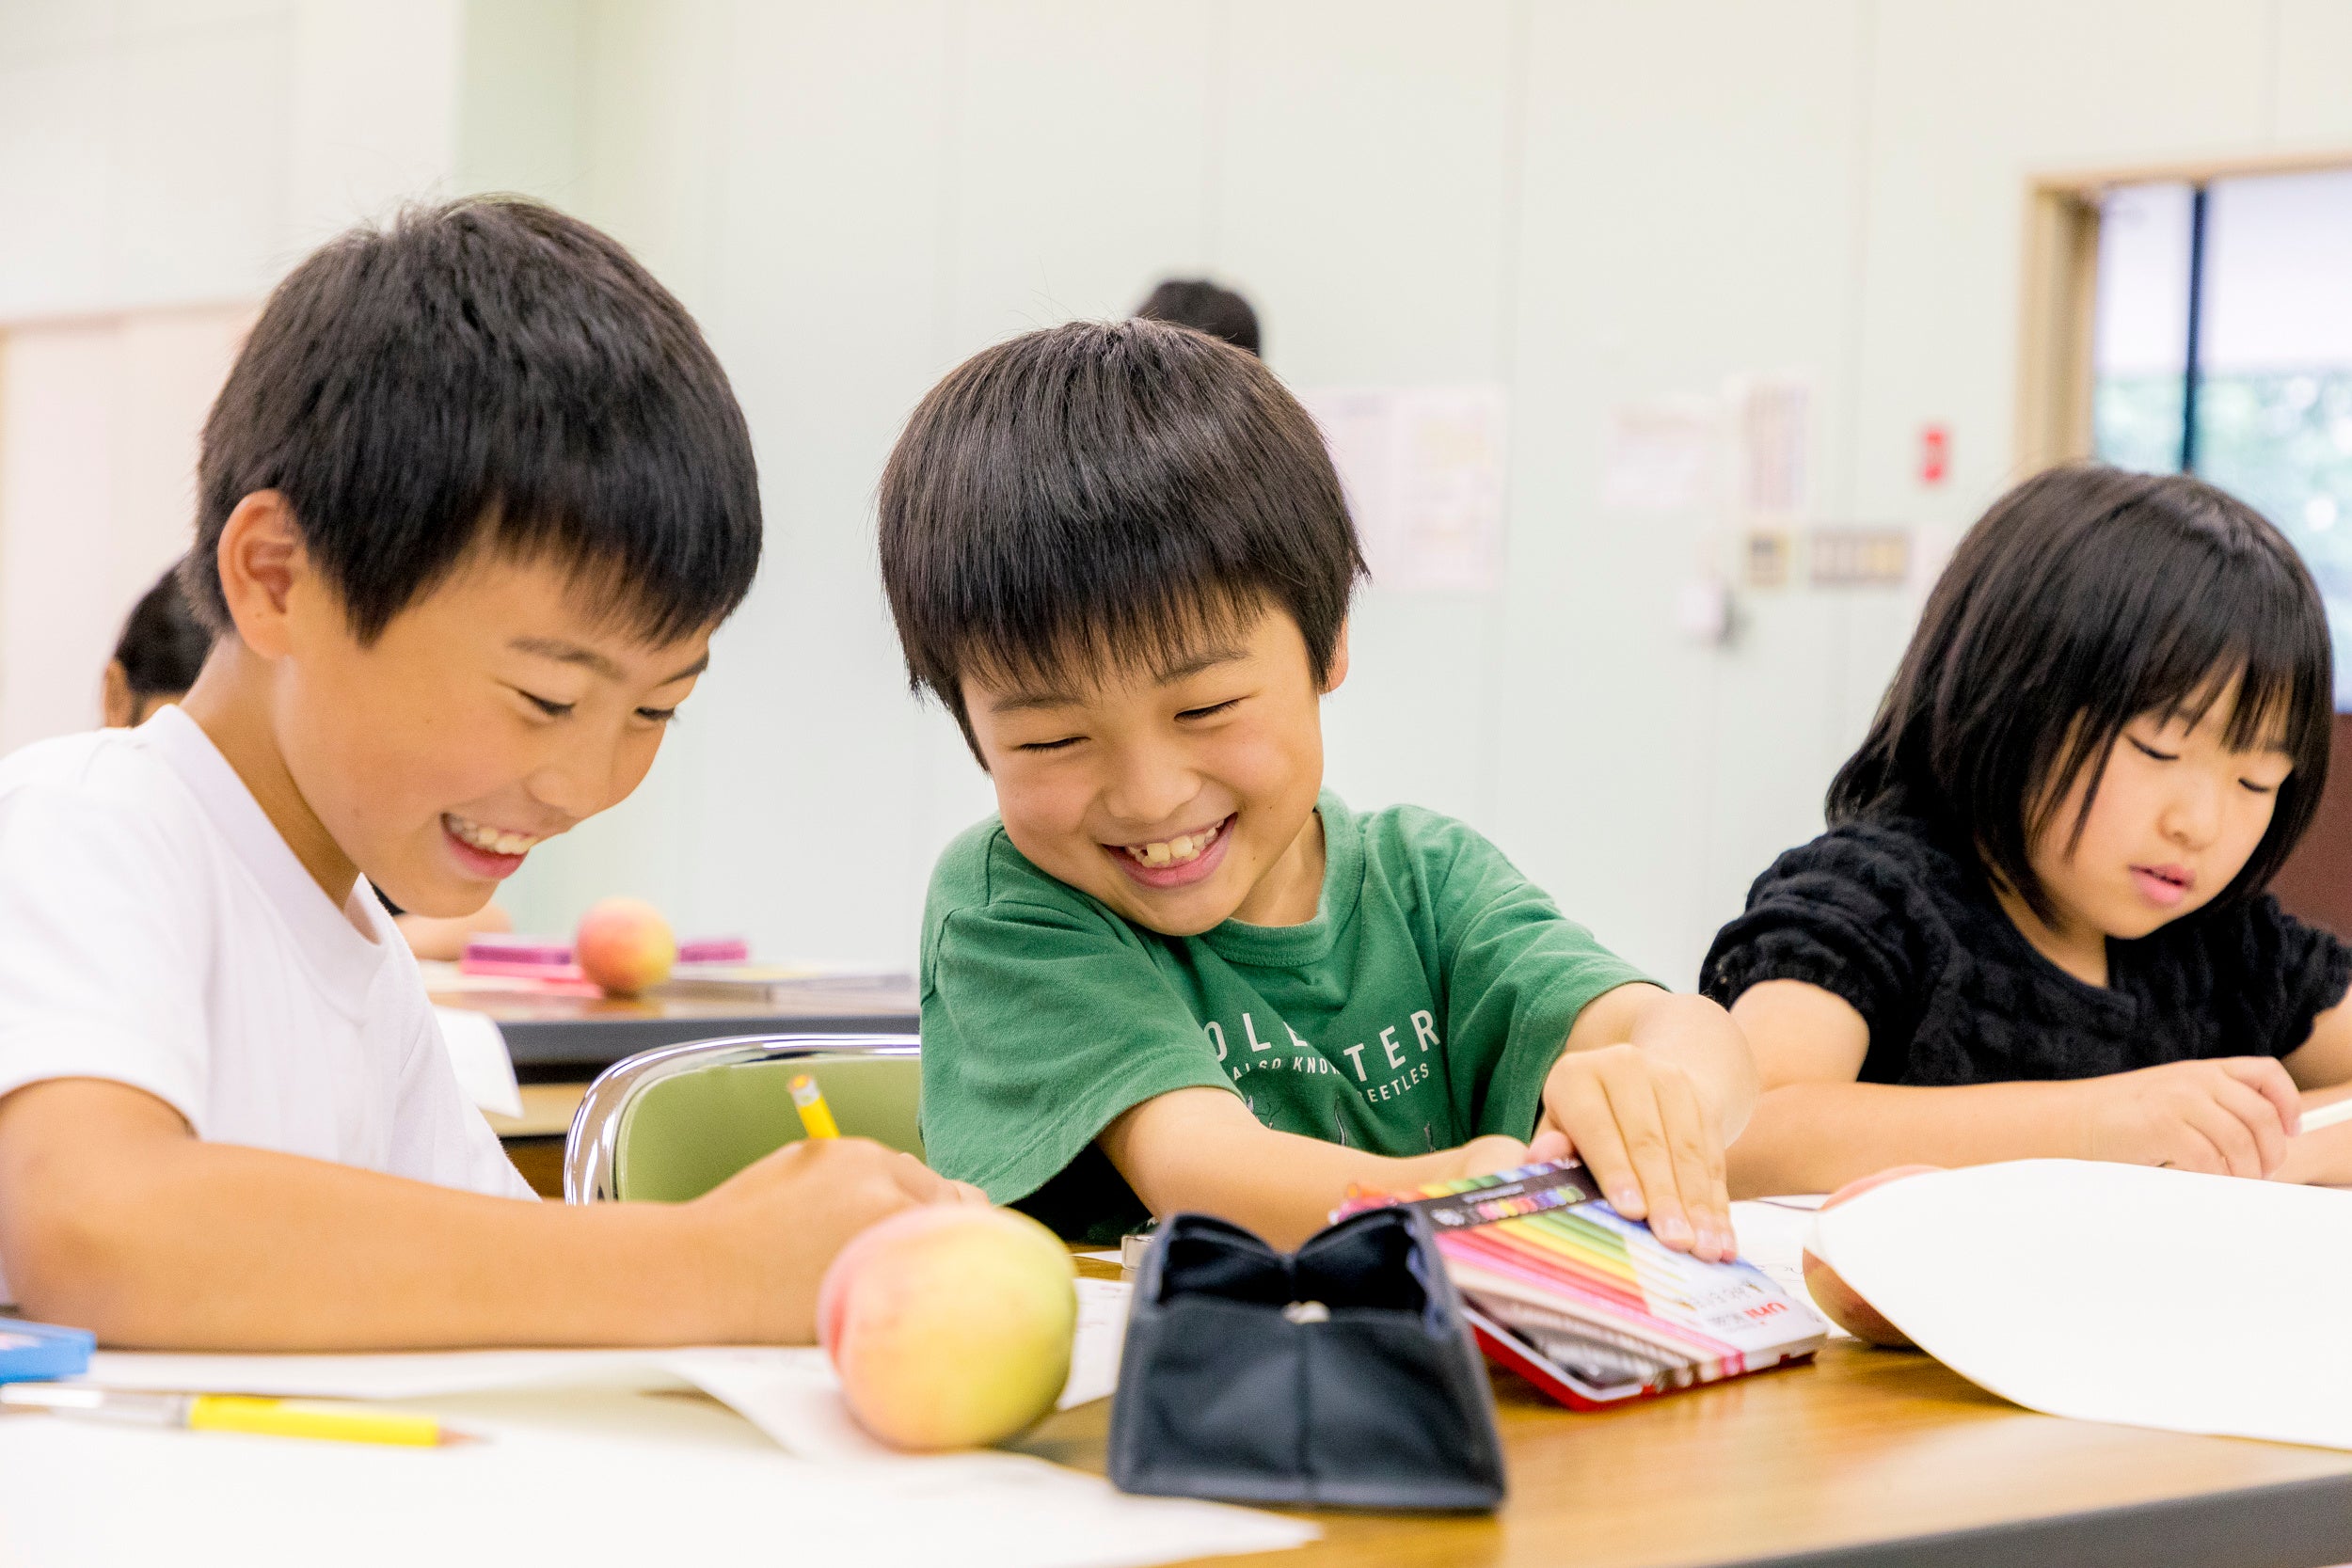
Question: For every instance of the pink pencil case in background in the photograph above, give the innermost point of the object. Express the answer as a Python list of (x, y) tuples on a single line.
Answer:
[(550, 957)]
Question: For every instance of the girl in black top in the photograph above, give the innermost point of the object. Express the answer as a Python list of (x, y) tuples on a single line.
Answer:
[(2037, 925)]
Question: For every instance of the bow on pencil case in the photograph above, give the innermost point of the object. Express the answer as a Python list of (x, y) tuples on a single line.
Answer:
[(1342, 1375)]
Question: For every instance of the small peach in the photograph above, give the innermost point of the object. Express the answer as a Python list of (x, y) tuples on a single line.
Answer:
[(624, 946), (951, 1325)]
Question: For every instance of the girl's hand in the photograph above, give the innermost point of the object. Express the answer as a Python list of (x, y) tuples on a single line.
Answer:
[(2231, 1115), (1644, 1130)]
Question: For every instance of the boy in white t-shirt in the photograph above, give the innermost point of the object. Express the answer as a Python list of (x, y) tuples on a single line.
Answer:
[(472, 501)]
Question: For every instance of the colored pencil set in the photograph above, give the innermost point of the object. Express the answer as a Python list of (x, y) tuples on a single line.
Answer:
[(1588, 1304)]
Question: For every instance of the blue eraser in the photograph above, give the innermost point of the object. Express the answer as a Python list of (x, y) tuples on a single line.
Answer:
[(29, 1351)]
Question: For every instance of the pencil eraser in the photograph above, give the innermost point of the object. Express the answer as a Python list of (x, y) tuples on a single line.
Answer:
[(29, 1351)]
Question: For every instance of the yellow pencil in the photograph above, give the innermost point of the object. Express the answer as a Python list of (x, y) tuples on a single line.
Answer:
[(230, 1413), (815, 1116)]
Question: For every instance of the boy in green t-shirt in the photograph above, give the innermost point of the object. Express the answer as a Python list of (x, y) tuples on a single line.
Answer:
[(1174, 972)]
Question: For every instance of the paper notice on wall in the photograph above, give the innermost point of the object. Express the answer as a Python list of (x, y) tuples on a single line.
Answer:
[(1662, 456), (1423, 471), (1771, 422)]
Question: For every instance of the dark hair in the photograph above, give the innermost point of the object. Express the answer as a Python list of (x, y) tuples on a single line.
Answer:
[(1100, 493), (485, 367), (162, 644), (2085, 598), (1204, 307)]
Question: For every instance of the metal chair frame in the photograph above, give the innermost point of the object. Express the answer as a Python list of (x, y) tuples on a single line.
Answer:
[(591, 1148)]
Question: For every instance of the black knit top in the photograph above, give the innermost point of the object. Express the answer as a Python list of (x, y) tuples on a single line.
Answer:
[(1908, 933)]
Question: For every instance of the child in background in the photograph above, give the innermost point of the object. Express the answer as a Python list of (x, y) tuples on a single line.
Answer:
[(158, 657), (161, 647), (470, 505), (1204, 307), (1173, 972), (2036, 926)]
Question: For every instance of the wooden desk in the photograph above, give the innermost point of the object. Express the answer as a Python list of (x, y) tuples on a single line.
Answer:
[(1868, 1459), (534, 1140), (553, 1036)]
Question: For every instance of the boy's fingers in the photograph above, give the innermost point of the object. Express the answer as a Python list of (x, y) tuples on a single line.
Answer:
[(1698, 1166), (1600, 1146), (1634, 1106), (1550, 1143)]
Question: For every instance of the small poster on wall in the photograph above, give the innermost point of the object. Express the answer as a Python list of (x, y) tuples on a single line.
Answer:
[(1423, 471), (1772, 418), (1662, 456)]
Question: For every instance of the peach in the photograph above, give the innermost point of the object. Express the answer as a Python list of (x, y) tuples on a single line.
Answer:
[(624, 946), (951, 1325), (1842, 1301)]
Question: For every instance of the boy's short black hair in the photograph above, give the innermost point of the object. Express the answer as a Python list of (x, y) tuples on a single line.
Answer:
[(2086, 598), (162, 644), (488, 366), (1204, 307), (1101, 494)]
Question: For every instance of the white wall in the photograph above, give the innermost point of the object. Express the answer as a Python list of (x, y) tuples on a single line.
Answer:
[(162, 162), (1593, 203), (1590, 202), (99, 417)]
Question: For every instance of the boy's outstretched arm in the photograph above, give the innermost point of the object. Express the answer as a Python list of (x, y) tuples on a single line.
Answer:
[(1815, 1128), (1200, 1150), (1650, 1087), (114, 1216)]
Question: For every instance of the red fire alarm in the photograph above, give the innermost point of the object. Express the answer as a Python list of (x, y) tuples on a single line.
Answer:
[(1935, 453)]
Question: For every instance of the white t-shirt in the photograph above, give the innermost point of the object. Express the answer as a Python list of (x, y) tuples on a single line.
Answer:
[(156, 930)]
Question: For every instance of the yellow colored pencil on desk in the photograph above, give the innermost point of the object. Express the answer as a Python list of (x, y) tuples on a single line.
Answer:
[(228, 1413), (815, 1116)]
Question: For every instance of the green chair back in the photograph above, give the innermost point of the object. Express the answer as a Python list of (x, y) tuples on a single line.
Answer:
[(683, 1134)]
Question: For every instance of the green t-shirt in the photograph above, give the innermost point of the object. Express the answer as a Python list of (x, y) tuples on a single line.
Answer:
[(1421, 1007)]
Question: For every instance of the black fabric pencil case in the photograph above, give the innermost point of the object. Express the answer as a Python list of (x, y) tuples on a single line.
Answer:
[(1342, 1375)]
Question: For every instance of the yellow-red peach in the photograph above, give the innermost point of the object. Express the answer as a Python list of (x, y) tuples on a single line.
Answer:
[(1840, 1300), (951, 1325), (624, 946)]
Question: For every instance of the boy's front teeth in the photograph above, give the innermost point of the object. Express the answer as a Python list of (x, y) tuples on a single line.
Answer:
[(490, 840), (1173, 851)]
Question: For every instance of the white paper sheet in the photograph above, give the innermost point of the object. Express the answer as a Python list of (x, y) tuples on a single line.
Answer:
[(786, 1392), (478, 1053), (570, 1474), (2109, 1293), (592, 1456)]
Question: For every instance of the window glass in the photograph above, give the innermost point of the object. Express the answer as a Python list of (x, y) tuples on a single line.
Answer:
[(2273, 377), (2139, 348), (2274, 415)]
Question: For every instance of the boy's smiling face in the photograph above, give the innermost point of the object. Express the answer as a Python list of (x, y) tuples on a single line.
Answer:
[(1181, 796), (496, 711)]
